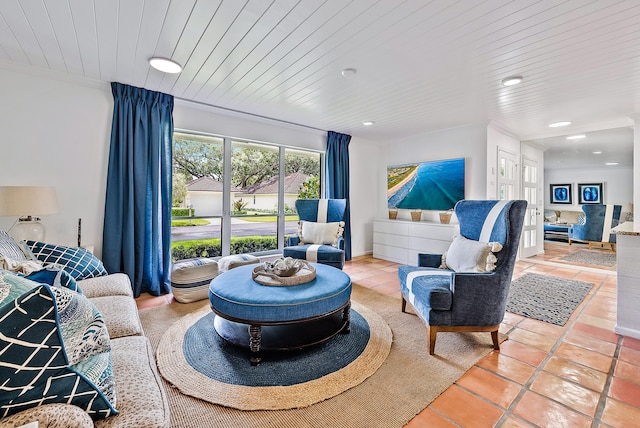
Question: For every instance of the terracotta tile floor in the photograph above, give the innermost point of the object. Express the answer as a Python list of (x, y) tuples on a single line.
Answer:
[(578, 375)]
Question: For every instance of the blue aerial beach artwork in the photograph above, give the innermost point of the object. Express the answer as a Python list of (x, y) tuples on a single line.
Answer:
[(434, 185)]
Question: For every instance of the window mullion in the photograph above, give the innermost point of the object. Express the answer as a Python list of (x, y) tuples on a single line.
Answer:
[(281, 213), (226, 199)]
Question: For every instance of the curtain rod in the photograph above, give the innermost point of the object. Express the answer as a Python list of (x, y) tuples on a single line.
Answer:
[(251, 114)]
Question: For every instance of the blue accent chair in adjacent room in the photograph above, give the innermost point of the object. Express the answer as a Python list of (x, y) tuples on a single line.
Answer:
[(320, 229), (595, 226), (469, 294)]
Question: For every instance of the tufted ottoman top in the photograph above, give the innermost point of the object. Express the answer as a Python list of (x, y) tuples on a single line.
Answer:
[(235, 295)]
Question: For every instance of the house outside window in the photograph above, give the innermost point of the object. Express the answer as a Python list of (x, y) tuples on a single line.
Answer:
[(233, 196)]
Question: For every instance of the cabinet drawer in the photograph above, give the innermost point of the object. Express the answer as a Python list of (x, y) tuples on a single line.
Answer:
[(394, 254), (435, 231), (389, 239), (427, 245), (395, 227)]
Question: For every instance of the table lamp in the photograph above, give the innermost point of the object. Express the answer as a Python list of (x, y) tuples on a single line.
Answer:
[(27, 202)]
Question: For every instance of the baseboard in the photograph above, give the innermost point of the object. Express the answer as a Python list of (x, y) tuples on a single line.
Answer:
[(625, 331)]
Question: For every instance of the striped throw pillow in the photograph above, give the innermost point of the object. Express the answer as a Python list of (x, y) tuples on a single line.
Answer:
[(9, 248)]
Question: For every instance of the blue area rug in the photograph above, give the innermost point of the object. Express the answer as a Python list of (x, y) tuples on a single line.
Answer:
[(546, 298), (195, 360), (214, 357)]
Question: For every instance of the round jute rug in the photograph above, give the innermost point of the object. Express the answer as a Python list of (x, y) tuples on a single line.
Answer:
[(199, 380)]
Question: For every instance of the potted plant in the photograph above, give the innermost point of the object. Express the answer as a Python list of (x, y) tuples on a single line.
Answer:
[(393, 213), (445, 217)]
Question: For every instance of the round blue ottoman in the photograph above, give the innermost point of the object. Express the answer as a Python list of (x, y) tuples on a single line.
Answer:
[(292, 316)]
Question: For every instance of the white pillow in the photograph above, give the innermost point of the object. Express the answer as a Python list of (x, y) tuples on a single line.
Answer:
[(311, 232), (466, 255)]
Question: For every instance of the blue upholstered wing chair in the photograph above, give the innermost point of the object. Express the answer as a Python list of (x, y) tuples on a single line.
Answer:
[(471, 293), (595, 226), (319, 221)]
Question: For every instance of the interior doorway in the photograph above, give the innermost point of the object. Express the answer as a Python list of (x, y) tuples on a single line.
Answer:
[(530, 184)]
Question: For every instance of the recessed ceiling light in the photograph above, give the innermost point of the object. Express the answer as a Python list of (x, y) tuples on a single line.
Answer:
[(511, 80), (165, 65), (597, 152), (612, 163), (559, 124), (576, 137), (368, 123), (348, 72)]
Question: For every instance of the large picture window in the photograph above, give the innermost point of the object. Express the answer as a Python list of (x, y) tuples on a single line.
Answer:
[(234, 196)]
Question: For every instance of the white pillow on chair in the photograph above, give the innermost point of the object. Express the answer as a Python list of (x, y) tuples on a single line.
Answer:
[(311, 232), (467, 255)]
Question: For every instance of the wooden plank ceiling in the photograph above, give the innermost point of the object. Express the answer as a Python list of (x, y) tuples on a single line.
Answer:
[(421, 65)]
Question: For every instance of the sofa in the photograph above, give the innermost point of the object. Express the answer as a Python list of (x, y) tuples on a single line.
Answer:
[(558, 222), (139, 399)]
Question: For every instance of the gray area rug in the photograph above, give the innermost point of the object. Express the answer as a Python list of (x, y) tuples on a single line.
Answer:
[(408, 380), (591, 258), (546, 298)]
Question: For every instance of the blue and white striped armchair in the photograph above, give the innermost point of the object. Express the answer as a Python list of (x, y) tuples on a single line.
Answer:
[(470, 292), (319, 237), (596, 224)]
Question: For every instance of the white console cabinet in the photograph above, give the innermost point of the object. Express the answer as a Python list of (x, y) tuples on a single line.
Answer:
[(401, 241)]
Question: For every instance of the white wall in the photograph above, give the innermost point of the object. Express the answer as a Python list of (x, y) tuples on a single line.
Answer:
[(364, 193), (55, 131), (617, 185), (205, 203), (469, 142), (198, 117)]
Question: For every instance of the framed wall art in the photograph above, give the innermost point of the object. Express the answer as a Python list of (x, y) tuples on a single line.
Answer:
[(560, 194), (590, 193), (431, 185)]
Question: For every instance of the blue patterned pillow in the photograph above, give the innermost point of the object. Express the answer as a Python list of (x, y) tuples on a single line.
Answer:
[(55, 350), (79, 262), (55, 277)]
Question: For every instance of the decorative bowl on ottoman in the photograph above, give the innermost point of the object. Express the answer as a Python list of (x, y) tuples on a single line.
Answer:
[(284, 272), (286, 266)]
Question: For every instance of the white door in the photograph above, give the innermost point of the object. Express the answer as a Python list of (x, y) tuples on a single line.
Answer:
[(507, 175), (530, 184)]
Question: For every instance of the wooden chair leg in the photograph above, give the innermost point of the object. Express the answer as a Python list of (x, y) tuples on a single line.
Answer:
[(613, 247), (431, 338), (404, 305), (494, 337)]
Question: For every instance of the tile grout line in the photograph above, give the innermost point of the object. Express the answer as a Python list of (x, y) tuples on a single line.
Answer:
[(602, 402), (526, 387), (540, 368)]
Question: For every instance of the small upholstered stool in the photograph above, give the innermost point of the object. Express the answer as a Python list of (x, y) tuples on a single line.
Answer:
[(280, 317), (230, 262), (190, 278)]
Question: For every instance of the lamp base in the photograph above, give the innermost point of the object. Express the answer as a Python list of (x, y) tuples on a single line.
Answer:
[(27, 229)]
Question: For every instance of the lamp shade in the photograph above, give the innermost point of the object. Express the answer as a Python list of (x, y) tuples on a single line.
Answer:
[(28, 200)]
